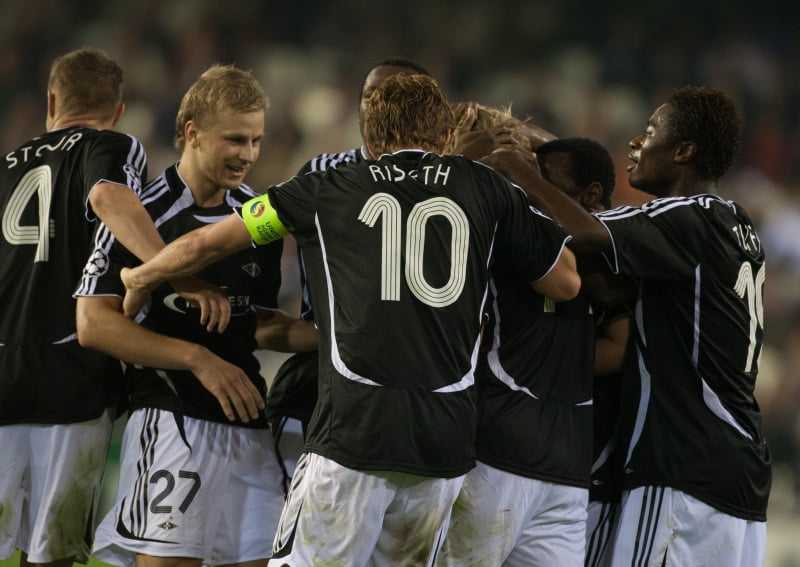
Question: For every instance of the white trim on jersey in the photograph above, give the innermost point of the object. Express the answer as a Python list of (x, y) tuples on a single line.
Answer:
[(185, 201), (154, 190), (608, 448), (138, 158), (465, 382), (710, 398), (644, 402), (493, 357), (336, 358)]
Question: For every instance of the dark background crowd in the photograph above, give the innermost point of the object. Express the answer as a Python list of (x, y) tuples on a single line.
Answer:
[(577, 68)]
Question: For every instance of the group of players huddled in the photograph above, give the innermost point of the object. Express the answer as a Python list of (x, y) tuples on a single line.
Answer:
[(505, 368)]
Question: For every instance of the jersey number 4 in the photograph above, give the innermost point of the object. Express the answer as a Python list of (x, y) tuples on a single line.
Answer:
[(37, 182), (386, 207)]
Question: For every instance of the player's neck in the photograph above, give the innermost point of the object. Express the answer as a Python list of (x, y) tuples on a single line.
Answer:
[(205, 194), (87, 121)]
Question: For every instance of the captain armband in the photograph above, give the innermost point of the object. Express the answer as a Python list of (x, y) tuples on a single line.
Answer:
[(262, 221)]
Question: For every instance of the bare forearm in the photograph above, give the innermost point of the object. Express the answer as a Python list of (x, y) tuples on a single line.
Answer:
[(286, 335), (104, 328), (120, 209), (189, 254)]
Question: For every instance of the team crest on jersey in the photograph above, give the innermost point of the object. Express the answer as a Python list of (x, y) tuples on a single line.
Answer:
[(252, 269), (97, 265)]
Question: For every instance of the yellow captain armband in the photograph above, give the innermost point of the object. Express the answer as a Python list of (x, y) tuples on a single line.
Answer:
[(262, 221)]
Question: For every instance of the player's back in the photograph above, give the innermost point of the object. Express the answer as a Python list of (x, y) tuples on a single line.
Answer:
[(47, 237), (405, 243), (398, 254)]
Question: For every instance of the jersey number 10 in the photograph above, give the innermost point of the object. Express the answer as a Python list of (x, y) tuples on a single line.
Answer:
[(751, 289), (385, 206)]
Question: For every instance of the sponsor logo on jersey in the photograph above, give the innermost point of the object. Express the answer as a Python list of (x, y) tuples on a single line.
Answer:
[(176, 303)]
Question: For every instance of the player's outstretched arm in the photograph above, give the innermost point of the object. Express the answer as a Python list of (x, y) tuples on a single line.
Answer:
[(184, 256), (102, 326), (588, 233), (120, 209)]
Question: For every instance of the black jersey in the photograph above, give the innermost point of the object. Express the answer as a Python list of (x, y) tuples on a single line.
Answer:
[(606, 470), (251, 278), (698, 328), (323, 162), (398, 253), (535, 383), (48, 228)]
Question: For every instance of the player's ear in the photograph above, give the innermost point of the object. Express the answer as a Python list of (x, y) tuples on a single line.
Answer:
[(685, 152), (590, 197), (190, 133), (118, 113), (51, 109)]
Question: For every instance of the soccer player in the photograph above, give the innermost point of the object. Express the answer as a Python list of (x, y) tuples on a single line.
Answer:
[(696, 465), (398, 252), (198, 485), (525, 501), (56, 398), (293, 392)]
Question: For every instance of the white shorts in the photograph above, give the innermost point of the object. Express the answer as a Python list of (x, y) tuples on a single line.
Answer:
[(600, 522), (660, 526), (502, 518), (50, 478), (196, 489), (339, 516)]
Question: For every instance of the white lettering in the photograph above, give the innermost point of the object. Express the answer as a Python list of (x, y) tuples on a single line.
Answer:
[(65, 144), (400, 173), (375, 170), (747, 237), (444, 174), (72, 141)]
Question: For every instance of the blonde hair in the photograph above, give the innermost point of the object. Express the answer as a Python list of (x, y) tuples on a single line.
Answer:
[(407, 111), (220, 87), (86, 81), (472, 116)]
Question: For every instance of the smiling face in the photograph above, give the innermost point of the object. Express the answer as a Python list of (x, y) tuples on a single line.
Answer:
[(654, 167), (224, 149)]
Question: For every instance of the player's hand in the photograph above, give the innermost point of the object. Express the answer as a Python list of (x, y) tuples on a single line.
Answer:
[(236, 394), (512, 161), (215, 309), (135, 297), (479, 143)]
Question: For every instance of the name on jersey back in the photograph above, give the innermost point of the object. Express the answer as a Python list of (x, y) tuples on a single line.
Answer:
[(65, 144), (429, 175)]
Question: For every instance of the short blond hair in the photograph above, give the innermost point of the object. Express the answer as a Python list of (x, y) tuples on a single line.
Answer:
[(407, 111), (473, 116), (86, 81), (220, 87)]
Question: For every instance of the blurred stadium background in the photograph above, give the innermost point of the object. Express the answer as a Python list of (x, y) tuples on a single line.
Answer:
[(594, 69)]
